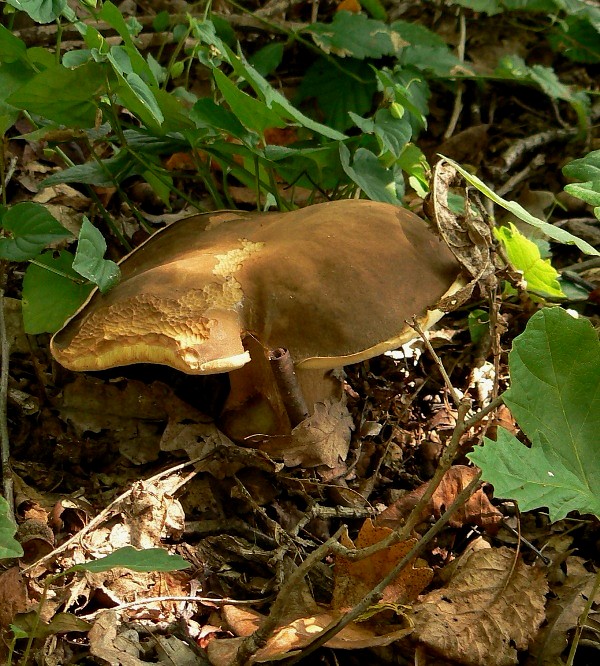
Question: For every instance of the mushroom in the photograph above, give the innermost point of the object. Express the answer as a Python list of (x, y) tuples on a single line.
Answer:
[(334, 283)]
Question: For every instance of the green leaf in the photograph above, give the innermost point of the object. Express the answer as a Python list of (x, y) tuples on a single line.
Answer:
[(550, 230), (577, 39), (66, 96), (89, 259), (267, 59), (150, 559), (51, 279), (338, 90), (110, 171), (356, 36), (11, 48), (264, 90), (252, 113), (9, 546), (207, 114), (377, 182), (478, 322), (539, 275), (32, 229), (586, 169), (41, 11), (555, 398)]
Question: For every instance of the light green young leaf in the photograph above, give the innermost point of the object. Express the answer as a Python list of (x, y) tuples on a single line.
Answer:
[(377, 182), (9, 546), (150, 559), (524, 255), (51, 279), (32, 229), (555, 398), (550, 230), (356, 36), (89, 259)]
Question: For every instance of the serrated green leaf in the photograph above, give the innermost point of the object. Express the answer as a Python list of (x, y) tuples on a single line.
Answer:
[(52, 292), (339, 90), (540, 277), (555, 398), (89, 259), (32, 229), (41, 11), (533, 476), (356, 36), (555, 233), (9, 546), (377, 182), (150, 559)]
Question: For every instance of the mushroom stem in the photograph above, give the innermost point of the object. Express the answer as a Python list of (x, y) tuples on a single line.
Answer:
[(289, 387)]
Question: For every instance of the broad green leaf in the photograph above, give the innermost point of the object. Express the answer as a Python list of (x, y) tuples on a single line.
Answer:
[(267, 60), (9, 546), (408, 89), (356, 36), (338, 90), (150, 559), (308, 166), (41, 11), (263, 89), (66, 96), (577, 39), (13, 75), (89, 259), (377, 182), (32, 229), (539, 275), (110, 171), (114, 18), (555, 398), (52, 292), (586, 169), (478, 322), (550, 230), (252, 113), (11, 48), (209, 115)]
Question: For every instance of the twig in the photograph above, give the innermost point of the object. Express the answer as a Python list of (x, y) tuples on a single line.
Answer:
[(582, 619), (113, 507), (157, 600), (537, 162), (460, 86), (251, 644), (335, 627), (287, 383), (7, 480)]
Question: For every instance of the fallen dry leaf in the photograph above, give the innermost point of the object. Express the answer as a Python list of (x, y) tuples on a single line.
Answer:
[(478, 510), (321, 439), (489, 610), (288, 640), (353, 580), (562, 613)]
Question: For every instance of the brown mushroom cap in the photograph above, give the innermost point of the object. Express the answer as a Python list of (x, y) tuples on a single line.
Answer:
[(334, 283)]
